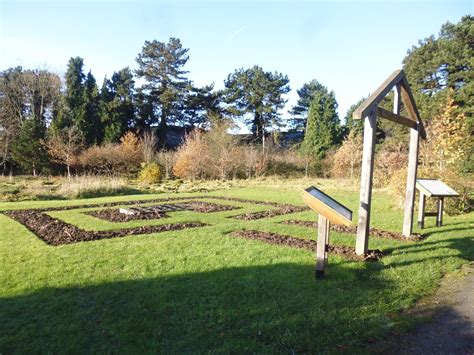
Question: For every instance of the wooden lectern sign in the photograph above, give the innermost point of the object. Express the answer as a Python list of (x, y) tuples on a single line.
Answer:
[(329, 210), (432, 188)]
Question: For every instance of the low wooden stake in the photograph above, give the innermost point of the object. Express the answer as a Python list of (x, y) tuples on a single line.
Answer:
[(439, 218), (322, 246), (421, 211)]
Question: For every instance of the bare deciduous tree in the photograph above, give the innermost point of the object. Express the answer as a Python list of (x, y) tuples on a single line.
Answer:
[(148, 146), (64, 146)]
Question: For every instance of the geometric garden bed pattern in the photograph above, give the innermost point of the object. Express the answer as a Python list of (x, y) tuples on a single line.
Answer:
[(57, 232)]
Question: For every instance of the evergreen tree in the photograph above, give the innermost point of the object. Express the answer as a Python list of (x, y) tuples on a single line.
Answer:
[(440, 63), (161, 66), (74, 95), (202, 104), (144, 116), (351, 125), (322, 128), (259, 94), (87, 119), (28, 150), (117, 105), (300, 110)]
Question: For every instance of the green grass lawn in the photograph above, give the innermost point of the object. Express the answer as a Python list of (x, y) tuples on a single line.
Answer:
[(200, 290)]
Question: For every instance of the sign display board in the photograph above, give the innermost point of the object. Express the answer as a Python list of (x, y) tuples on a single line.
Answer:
[(323, 204), (329, 210), (435, 188), (432, 188)]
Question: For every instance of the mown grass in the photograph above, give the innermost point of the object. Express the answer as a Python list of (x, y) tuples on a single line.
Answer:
[(200, 290)]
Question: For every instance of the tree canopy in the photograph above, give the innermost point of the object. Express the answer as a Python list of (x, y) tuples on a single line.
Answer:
[(300, 110), (117, 107), (160, 65), (323, 129), (259, 94)]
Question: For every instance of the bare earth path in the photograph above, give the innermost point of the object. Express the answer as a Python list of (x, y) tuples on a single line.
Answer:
[(452, 329)]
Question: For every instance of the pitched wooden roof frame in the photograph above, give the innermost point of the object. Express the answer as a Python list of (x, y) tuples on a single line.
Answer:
[(371, 103), (369, 111)]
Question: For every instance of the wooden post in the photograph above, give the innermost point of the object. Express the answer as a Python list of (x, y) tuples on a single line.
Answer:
[(321, 246), (326, 249), (411, 181), (421, 211), (439, 216), (397, 102), (367, 172)]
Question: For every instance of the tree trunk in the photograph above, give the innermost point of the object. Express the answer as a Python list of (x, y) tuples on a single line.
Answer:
[(162, 130), (258, 127), (68, 172)]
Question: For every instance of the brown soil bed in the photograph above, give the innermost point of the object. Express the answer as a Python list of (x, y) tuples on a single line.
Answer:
[(282, 209), (168, 199), (374, 232), (278, 239), (114, 215), (159, 211), (56, 232)]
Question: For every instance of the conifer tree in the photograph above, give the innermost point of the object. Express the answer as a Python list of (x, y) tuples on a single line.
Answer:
[(74, 95), (87, 119), (258, 94), (300, 110), (28, 150), (161, 66), (117, 105), (322, 128)]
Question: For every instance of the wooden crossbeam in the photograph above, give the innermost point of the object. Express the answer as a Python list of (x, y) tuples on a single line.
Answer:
[(373, 100), (396, 118)]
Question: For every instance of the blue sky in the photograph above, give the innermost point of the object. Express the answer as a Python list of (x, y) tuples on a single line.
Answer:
[(349, 46)]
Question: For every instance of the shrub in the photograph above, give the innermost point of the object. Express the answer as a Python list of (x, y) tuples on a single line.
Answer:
[(386, 164), (347, 159), (166, 160), (148, 146), (150, 173), (131, 153), (113, 159), (192, 157), (254, 162), (213, 154), (285, 162)]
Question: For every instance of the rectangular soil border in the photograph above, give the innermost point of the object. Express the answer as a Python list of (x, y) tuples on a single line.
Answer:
[(56, 232), (308, 244), (373, 232)]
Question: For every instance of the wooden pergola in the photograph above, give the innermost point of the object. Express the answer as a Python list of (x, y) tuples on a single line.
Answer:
[(369, 111)]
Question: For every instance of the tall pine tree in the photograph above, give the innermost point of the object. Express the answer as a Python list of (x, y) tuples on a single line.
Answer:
[(160, 65), (258, 94)]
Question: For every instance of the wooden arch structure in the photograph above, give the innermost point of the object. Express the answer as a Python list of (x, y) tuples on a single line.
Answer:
[(369, 111)]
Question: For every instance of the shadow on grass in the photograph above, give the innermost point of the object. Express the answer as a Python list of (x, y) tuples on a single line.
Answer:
[(463, 246), (270, 308)]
